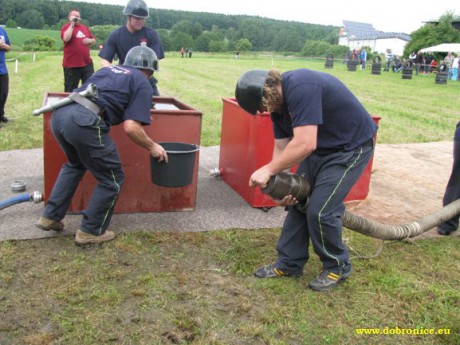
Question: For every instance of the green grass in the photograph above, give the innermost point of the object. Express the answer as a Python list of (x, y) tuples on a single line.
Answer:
[(19, 36), (416, 110), (197, 288)]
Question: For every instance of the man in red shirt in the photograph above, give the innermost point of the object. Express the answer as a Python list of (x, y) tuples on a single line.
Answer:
[(77, 62)]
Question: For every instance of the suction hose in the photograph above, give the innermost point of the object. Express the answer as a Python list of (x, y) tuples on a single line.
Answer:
[(36, 197), (284, 184)]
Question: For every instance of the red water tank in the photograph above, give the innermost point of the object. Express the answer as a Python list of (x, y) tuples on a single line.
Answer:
[(247, 144), (172, 121)]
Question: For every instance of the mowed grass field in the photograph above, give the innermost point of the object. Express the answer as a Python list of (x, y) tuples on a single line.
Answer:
[(197, 288), (415, 110)]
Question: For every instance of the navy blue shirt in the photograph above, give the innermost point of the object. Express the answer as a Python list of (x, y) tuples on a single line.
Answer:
[(317, 98), (120, 41), (124, 94)]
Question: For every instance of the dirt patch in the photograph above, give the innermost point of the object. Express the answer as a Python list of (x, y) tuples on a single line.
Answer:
[(407, 183)]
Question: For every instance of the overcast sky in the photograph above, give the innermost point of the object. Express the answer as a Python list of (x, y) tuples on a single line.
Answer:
[(388, 15)]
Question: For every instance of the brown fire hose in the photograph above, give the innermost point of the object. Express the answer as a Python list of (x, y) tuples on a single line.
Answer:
[(284, 184)]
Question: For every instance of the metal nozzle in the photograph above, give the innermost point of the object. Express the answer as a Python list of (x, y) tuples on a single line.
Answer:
[(89, 92)]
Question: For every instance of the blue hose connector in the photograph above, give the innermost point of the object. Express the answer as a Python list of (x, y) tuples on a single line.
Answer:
[(36, 197)]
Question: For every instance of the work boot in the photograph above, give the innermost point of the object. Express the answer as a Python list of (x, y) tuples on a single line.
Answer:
[(47, 224), (445, 232), (328, 280), (272, 271), (82, 238)]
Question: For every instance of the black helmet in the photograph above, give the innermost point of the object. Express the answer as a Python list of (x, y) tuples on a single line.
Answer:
[(136, 8), (142, 58), (249, 90)]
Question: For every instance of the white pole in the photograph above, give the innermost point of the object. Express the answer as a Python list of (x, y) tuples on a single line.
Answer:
[(16, 66), (33, 60)]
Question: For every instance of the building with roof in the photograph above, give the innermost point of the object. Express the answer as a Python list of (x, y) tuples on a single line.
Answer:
[(357, 35)]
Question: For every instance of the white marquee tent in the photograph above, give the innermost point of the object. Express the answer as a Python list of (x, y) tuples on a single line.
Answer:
[(444, 47)]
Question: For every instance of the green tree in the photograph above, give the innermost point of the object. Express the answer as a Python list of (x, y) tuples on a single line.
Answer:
[(31, 19), (181, 40), (202, 43), (433, 34), (11, 23), (243, 45)]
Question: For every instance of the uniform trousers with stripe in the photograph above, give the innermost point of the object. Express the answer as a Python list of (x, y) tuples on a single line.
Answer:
[(83, 136), (331, 177)]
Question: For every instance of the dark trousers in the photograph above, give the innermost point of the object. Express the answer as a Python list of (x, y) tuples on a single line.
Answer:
[(72, 76), (452, 192), (331, 178), (83, 136), (4, 88)]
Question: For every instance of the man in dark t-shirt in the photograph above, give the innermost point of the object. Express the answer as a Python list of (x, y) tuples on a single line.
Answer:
[(82, 131), (321, 126), (134, 33)]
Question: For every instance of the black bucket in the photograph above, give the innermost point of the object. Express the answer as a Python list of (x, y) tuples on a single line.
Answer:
[(178, 172)]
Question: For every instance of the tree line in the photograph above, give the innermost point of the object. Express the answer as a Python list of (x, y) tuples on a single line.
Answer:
[(200, 30)]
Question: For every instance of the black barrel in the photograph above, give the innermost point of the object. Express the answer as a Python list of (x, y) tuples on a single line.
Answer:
[(329, 61), (441, 75), (376, 65), (407, 70)]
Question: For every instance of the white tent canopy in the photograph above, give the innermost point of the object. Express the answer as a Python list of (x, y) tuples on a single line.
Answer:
[(444, 47)]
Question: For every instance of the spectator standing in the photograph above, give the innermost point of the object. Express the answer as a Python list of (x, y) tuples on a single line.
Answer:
[(452, 191), (428, 60), (77, 63), (237, 55), (412, 57), (190, 52), (449, 60), (455, 65), (419, 61), (82, 131), (5, 46), (397, 64), (134, 33), (363, 58), (388, 58), (182, 51)]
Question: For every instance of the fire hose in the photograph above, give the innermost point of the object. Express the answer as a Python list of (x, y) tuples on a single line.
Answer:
[(36, 197), (284, 184), (89, 92)]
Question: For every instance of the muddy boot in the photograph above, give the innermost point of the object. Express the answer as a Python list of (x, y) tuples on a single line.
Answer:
[(83, 238), (47, 224)]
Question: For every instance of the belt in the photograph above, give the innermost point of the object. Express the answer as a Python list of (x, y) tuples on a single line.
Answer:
[(91, 106)]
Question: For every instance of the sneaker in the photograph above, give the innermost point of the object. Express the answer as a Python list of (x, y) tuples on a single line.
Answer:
[(445, 232), (271, 271), (83, 238), (47, 224), (5, 119), (328, 280)]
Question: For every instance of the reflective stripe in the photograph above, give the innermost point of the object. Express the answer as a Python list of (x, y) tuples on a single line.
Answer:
[(326, 203), (113, 202)]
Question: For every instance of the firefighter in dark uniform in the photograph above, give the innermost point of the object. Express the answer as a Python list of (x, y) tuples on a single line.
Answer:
[(320, 125), (82, 131)]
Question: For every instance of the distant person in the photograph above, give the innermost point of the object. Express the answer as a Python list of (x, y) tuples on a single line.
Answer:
[(388, 59), (419, 61), (428, 60), (449, 60), (182, 51), (5, 46), (363, 58), (82, 131), (190, 51), (452, 191), (77, 63), (455, 65), (237, 55), (134, 33), (397, 64)]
